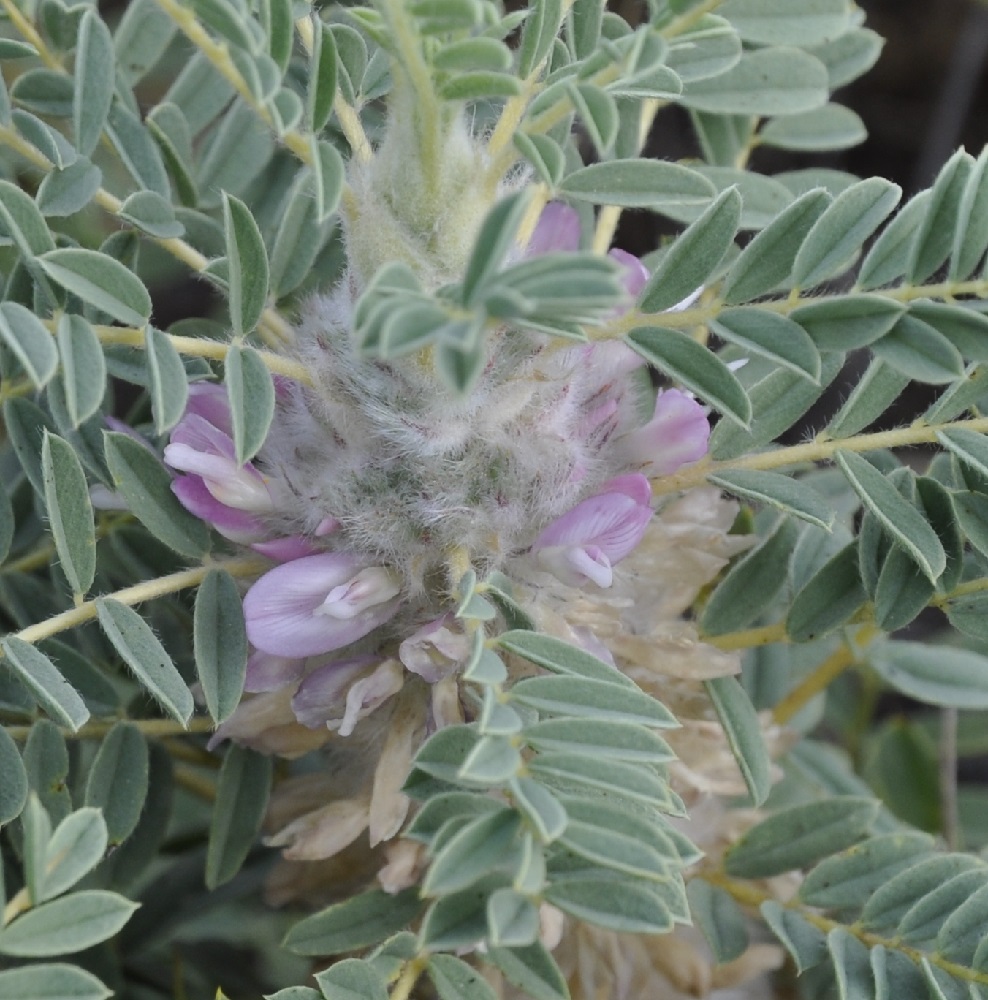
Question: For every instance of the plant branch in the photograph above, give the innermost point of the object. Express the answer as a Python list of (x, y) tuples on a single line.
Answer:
[(98, 728), (137, 594), (272, 326), (751, 896), (813, 451), (408, 978)]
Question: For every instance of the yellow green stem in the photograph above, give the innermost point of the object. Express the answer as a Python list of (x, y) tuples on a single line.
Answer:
[(137, 594), (98, 728), (30, 35), (814, 451), (408, 978)]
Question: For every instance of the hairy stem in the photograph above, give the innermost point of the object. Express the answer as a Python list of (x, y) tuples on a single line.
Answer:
[(408, 978)]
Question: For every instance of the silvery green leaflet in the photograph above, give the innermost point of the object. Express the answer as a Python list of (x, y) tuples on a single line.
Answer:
[(437, 613)]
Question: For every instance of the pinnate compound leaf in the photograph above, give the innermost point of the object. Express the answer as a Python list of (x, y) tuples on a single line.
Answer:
[(220, 643), (13, 788), (951, 678), (743, 731), (626, 907), (971, 224), (719, 918), (782, 492), (750, 585), (94, 81), (352, 979), (101, 281), (70, 512), (830, 127), (143, 653), (898, 517), (250, 390), (583, 697), (39, 675), (891, 901), (845, 879), (766, 262), (638, 184), (248, 265), (775, 81), (695, 255), (146, 486), (118, 780), (83, 367), (29, 341), (76, 847), (618, 740), (359, 922), (484, 844), (66, 925), (560, 657), (695, 367), (828, 599), (796, 837), (855, 214), (935, 235), (241, 801), (455, 980), (51, 981), (778, 22)]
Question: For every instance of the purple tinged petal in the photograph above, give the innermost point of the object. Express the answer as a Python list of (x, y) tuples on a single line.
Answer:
[(326, 527), (558, 228), (210, 401), (368, 694), (587, 541), (321, 697), (266, 672), (634, 274), (236, 486), (370, 586), (286, 549), (676, 435), (237, 525), (286, 609)]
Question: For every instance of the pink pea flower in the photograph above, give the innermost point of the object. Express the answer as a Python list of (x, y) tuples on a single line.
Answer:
[(319, 603), (676, 435), (585, 543), (216, 488)]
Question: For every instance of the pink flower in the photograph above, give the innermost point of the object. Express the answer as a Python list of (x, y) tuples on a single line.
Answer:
[(319, 603), (586, 542), (216, 488), (558, 229), (676, 435), (266, 672)]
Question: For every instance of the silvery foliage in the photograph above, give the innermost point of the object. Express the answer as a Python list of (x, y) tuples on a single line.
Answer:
[(226, 138)]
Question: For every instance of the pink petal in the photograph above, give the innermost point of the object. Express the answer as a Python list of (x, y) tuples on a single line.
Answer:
[(558, 228), (575, 565), (613, 521), (676, 436), (634, 274), (280, 609), (237, 525), (285, 549), (210, 401), (633, 485)]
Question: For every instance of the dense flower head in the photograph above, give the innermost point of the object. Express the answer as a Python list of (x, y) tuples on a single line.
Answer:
[(374, 473)]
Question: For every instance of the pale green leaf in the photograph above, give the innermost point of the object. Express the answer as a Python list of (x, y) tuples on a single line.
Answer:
[(13, 788), (638, 184), (842, 228), (143, 653), (251, 394), (83, 367), (560, 657), (241, 801), (38, 674), (29, 341), (248, 265), (770, 335), (455, 980), (626, 907), (69, 189), (75, 848), (70, 512), (792, 496), (51, 981), (743, 732), (951, 678), (934, 237), (719, 918), (66, 925), (220, 643), (827, 128), (101, 281), (118, 780), (94, 81), (691, 364), (781, 22), (796, 837)]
